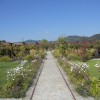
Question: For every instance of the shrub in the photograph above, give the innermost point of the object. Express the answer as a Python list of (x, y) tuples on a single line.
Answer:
[(5, 59), (62, 49), (93, 51), (88, 54), (95, 88), (56, 53), (15, 88), (1, 91), (42, 53), (33, 52), (29, 57), (73, 57), (85, 55), (82, 90), (20, 55)]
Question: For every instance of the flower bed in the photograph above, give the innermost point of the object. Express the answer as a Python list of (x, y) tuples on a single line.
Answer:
[(19, 79), (78, 72)]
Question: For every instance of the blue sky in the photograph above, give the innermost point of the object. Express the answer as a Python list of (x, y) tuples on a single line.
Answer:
[(37, 19)]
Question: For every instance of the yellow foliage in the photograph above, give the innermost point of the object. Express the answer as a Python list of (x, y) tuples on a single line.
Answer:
[(33, 52)]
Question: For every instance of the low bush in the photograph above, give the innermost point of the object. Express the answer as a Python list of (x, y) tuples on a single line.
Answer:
[(85, 55), (5, 59), (82, 90), (15, 88), (56, 53), (73, 57), (95, 87), (29, 57), (42, 53)]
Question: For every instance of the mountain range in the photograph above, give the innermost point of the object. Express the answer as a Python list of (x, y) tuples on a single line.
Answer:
[(72, 38), (80, 38), (31, 41)]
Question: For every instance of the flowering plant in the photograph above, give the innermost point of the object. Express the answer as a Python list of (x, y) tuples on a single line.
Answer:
[(19, 70), (97, 65), (79, 66)]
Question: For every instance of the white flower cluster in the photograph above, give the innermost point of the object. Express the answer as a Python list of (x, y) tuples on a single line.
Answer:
[(36, 55), (79, 66), (19, 70), (97, 65), (33, 61), (23, 62)]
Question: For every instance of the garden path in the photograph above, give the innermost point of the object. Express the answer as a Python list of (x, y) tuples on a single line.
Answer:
[(51, 85)]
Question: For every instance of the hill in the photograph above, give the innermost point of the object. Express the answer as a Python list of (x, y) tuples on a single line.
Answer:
[(95, 37), (80, 38), (72, 39), (31, 41)]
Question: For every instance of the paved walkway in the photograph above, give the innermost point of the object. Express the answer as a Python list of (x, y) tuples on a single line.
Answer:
[(51, 85)]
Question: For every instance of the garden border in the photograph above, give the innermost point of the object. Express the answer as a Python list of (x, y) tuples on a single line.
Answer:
[(71, 86), (30, 91)]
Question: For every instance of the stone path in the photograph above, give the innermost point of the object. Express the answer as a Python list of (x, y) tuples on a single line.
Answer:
[(51, 85)]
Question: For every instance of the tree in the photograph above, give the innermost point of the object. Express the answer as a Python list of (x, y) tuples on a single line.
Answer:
[(62, 39), (62, 44), (44, 43)]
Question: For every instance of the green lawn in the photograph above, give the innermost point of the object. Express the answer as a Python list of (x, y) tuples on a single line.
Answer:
[(3, 70), (93, 70)]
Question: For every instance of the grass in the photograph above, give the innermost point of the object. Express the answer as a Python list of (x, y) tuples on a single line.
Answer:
[(3, 70), (93, 71)]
